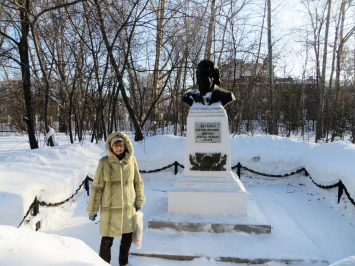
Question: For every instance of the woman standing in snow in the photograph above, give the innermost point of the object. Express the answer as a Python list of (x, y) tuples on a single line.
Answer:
[(118, 188)]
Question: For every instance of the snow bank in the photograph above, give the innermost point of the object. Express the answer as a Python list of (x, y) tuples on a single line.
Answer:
[(51, 173), (331, 162), (54, 173), (350, 261), (327, 163), (269, 154), (22, 247), (159, 151)]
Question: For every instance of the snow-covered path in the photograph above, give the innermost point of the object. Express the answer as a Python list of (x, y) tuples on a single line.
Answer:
[(328, 225)]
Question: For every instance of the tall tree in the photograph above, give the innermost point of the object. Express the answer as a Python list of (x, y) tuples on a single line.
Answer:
[(273, 126), (210, 30), (343, 38), (320, 121), (110, 45), (22, 8), (159, 10), (25, 10)]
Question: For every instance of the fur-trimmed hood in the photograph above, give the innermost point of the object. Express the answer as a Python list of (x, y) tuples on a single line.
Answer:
[(128, 151)]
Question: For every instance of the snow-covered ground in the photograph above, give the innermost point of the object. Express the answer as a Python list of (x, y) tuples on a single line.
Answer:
[(296, 208)]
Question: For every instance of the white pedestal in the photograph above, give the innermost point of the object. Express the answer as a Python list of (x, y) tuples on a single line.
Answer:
[(208, 185), (211, 195), (217, 115)]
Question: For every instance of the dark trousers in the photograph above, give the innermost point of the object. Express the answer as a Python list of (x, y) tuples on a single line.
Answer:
[(106, 244)]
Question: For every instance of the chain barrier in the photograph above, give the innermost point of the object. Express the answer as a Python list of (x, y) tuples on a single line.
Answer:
[(35, 204), (340, 185), (326, 187), (341, 190), (269, 175), (348, 194), (156, 170), (34, 207), (42, 203), (176, 164), (180, 165)]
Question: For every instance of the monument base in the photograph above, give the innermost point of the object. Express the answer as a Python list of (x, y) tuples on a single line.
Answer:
[(287, 244), (255, 222), (208, 195)]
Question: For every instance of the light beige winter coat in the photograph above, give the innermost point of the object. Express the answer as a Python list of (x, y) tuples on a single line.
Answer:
[(117, 189)]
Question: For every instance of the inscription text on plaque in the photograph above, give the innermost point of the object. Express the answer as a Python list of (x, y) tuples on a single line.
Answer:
[(208, 132)]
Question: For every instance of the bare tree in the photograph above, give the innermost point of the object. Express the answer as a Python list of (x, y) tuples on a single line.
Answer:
[(21, 16), (343, 38), (273, 126)]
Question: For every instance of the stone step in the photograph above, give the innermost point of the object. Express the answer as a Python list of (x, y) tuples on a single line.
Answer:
[(254, 222), (235, 260), (286, 243)]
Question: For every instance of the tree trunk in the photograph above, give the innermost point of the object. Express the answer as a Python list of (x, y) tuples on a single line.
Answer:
[(210, 30), (70, 112), (338, 69), (45, 76), (320, 128), (329, 112), (119, 76), (177, 97), (273, 129), (26, 78), (114, 104), (160, 15), (83, 114)]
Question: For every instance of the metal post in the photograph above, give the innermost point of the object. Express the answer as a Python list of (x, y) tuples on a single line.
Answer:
[(238, 171), (305, 172), (176, 167), (38, 225), (340, 190), (86, 185), (35, 210)]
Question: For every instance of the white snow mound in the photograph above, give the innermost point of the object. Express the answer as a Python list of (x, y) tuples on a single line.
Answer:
[(349, 261), (22, 247)]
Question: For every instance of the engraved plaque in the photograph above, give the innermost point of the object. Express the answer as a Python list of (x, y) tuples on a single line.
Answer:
[(208, 132)]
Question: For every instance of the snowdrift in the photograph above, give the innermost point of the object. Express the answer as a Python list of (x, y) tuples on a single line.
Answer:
[(54, 173), (21, 247)]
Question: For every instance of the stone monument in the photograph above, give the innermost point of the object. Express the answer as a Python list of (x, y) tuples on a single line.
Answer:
[(208, 186)]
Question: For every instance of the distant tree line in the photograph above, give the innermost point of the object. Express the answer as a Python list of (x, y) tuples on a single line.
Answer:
[(101, 66)]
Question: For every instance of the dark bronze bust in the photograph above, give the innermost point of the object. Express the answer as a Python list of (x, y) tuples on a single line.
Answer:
[(208, 79)]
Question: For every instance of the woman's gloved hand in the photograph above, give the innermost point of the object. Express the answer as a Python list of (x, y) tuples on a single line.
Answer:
[(92, 216)]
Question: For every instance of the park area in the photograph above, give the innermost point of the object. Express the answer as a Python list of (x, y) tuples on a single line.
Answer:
[(309, 227)]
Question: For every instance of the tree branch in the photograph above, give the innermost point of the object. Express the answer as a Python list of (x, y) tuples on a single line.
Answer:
[(348, 35), (56, 7), (8, 37)]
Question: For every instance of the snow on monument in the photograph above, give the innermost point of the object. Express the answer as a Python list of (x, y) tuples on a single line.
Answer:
[(209, 197), (208, 186)]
